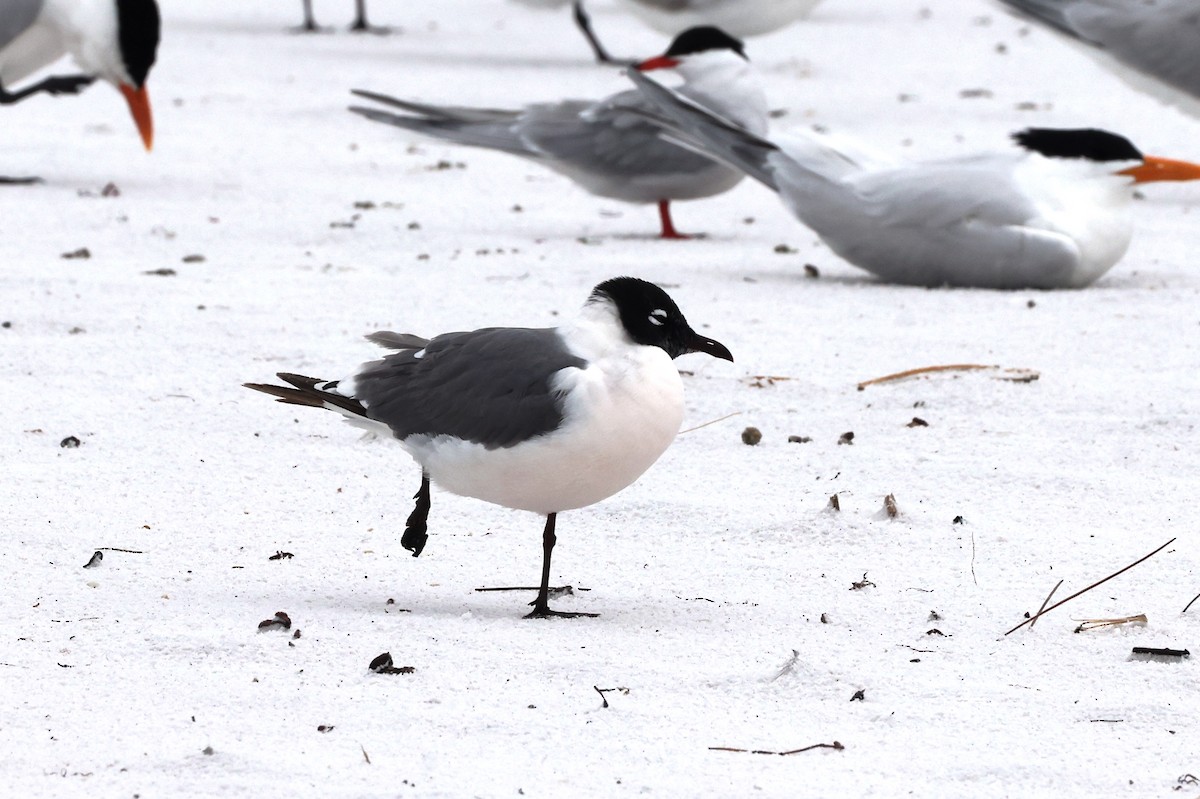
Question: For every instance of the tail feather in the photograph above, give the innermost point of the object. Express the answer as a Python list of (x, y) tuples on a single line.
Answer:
[(699, 128), (489, 135), (304, 391), (397, 341), (444, 112), (490, 128)]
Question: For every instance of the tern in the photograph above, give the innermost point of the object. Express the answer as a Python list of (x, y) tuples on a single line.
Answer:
[(116, 40), (542, 420), (737, 17), (1053, 213), (1155, 46), (610, 147)]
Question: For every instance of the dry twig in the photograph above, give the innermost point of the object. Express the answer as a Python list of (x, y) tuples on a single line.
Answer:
[(762, 381), (1153, 653), (1017, 375), (603, 691), (835, 745), (1096, 624), (714, 421), (1045, 602), (1038, 615)]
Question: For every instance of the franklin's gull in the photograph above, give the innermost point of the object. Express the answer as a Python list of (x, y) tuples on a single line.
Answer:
[(543, 420)]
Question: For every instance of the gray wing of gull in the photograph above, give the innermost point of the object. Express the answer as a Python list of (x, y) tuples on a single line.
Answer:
[(492, 386), (1159, 38), (16, 16)]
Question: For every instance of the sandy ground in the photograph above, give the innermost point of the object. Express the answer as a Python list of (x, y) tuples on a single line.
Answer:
[(725, 583)]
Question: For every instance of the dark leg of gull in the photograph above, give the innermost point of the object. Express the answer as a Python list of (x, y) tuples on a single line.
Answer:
[(584, 23), (541, 605), (62, 84), (668, 227), (360, 20), (414, 537)]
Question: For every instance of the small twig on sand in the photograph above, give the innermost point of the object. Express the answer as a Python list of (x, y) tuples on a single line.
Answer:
[(1045, 602), (714, 421), (1156, 652), (1033, 618), (603, 691), (366, 757), (973, 577), (1019, 375), (835, 745), (554, 590), (1096, 624), (1197, 596), (762, 381)]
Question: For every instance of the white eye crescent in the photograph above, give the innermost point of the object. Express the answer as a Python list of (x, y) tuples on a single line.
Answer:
[(658, 317)]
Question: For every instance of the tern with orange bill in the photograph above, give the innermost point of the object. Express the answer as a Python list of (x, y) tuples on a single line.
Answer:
[(1051, 213), (115, 40), (610, 147), (1154, 46), (736, 17)]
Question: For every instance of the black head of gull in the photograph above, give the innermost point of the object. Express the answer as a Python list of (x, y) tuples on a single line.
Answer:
[(537, 419), (652, 318)]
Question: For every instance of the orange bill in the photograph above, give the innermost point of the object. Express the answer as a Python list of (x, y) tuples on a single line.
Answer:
[(1152, 169), (139, 106)]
